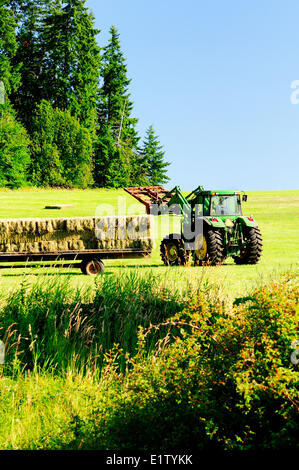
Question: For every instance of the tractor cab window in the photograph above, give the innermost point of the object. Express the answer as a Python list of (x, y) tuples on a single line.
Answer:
[(226, 205)]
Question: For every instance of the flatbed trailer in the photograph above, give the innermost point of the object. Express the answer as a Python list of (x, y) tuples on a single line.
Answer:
[(87, 239), (91, 260)]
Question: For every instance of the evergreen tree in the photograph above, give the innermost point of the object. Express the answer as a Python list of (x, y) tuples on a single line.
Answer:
[(29, 57), (116, 151), (152, 159), (71, 65), (9, 74), (60, 58)]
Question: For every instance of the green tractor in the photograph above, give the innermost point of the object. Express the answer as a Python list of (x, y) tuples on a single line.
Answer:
[(212, 226)]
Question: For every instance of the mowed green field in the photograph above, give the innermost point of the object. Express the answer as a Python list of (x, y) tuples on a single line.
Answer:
[(277, 213)]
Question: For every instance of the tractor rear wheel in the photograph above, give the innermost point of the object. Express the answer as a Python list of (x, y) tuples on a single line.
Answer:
[(211, 250), (253, 248), (172, 251)]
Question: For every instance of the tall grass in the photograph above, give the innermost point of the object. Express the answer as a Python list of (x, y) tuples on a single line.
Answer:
[(221, 377), (51, 323)]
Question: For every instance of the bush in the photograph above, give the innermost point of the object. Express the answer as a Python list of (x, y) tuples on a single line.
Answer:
[(225, 382), (14, 150)]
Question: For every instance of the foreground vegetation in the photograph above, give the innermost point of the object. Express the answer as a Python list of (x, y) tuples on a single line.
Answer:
[(190, 370)]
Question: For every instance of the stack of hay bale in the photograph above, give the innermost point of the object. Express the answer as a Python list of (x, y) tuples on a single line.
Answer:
[(77, 233)]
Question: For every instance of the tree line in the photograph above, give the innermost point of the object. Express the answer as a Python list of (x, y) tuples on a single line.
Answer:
[(67, 115)]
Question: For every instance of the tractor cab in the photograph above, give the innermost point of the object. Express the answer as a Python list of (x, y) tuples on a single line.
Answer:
[(225, 204), (221, 203)]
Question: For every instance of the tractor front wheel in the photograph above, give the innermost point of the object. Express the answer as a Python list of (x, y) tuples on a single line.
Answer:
[(210, 248), (172, 251), (253, 249)]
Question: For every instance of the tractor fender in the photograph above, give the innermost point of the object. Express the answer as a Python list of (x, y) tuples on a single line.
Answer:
[(215, 222), (247, 221)]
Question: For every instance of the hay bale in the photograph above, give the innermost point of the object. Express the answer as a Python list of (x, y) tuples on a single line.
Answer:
[(32, 247), (14, 248), (61, 225), (76, 245), (30, 226), (16, 227), (136, 228), (3, 227), (52, 246), (21, 247), (89, 224), (48, 246), (62, 245), (41, 226), (60, 206), (45, 226), (105, 228), (105, 244), (80, 233)]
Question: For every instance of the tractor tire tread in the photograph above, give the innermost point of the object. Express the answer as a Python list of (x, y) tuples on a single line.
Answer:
[(215, 249), (254, 247), (182, 255)]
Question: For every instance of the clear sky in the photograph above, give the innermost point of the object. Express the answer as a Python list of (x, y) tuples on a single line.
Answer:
[(214, 78)]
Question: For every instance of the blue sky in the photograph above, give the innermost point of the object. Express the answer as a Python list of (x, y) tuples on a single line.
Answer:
[(214, 78)]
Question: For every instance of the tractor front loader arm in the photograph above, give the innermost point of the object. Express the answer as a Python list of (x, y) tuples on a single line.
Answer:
[(175, 198), (158, 200)]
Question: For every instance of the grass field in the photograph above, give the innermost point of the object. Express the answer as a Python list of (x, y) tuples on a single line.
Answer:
[(277, 213), (64, 385)]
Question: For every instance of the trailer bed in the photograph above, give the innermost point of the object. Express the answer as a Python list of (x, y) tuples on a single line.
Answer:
[(105, 254), (87, 257)]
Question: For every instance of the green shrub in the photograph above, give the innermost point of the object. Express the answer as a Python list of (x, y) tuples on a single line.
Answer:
[(14, 150), (225, 382), (62, 149)]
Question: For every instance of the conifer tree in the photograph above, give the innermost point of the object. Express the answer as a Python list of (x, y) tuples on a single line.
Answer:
[(152, 159), (116, 151), (9, 74), (60, 62), (60, 58), (29, 56), (71, 66)]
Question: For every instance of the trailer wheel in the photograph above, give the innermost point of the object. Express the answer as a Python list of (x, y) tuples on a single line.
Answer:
[(92, 267)]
